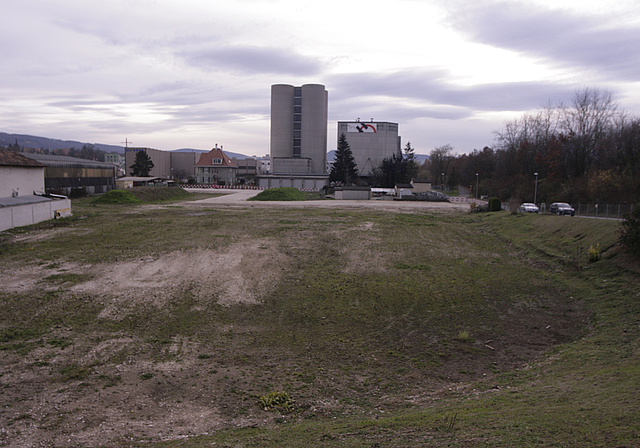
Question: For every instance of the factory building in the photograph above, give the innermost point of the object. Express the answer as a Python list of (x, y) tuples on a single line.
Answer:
[(298, 136), (299, 129), (370, 142)]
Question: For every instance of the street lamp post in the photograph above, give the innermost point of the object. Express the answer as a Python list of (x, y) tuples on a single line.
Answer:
[(535, 195), (477, 185)]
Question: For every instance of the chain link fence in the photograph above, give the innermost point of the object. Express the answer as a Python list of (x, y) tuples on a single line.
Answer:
[(606, 211)]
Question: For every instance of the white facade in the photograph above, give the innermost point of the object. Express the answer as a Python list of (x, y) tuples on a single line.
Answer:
[(370, 142), (21, 181)]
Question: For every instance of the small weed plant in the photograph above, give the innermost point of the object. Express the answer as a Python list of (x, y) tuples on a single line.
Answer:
[(464, 336), (276, 400), (594, 253)]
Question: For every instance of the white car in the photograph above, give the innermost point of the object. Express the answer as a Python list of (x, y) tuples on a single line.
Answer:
[(528, 207)]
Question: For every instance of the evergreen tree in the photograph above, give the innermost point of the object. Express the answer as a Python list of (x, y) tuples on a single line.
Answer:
[(397, 169), (344, 169), (142, 165)]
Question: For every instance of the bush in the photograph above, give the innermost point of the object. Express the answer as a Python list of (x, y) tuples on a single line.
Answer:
[(495, 205), (631, 231)]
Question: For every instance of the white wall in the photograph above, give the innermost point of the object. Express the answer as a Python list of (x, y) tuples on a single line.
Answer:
[(24, 180), (26, 214)]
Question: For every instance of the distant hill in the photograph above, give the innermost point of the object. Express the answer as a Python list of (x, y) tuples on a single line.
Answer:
[(30, 141)]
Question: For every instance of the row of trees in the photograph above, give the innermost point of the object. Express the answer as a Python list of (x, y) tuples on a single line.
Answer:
[(587, 151)]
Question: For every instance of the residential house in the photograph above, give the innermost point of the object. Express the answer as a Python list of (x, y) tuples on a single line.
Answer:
[(215, 167)]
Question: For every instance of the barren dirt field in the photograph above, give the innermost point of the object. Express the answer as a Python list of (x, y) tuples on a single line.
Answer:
[(164, 322)]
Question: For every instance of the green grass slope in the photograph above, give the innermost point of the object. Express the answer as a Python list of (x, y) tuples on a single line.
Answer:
[(141, 194), (280, 194)]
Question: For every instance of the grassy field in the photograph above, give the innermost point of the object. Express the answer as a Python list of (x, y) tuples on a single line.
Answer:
[(378, 329)]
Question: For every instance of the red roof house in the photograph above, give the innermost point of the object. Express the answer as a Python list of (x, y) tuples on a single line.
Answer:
[(215, 167)]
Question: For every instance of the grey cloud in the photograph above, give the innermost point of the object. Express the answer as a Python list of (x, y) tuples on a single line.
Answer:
[(604, 44), (255, 60), (432, 94)]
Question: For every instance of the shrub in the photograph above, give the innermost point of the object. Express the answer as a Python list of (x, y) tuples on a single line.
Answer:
[(594, 253), (631, 231), (495, 205)]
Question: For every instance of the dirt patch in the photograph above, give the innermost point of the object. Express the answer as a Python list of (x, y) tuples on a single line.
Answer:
[(242, 273)]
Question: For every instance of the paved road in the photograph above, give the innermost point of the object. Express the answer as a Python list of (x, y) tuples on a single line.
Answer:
[(238, 198)]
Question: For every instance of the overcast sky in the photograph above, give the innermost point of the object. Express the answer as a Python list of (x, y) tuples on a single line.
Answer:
[(172, 74)]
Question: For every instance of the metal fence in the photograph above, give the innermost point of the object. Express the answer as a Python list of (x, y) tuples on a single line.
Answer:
[(606, 211)]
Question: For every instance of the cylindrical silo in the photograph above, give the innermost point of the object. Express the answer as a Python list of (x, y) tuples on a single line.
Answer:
[(314, 126), (281, 120)]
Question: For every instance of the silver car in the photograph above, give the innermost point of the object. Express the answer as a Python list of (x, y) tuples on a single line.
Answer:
[(561, 208), (528, 207)]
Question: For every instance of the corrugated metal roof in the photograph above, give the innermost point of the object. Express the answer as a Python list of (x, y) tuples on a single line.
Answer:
[(49, 160)]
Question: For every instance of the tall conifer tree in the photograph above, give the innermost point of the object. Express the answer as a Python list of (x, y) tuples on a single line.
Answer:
[(344, 169)]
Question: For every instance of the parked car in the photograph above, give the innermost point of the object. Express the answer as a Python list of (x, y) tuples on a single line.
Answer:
[(561, 208), (528, 207)]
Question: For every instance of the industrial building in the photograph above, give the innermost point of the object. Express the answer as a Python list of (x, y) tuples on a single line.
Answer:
[(161, 161), (298, 137), (22, 197), (299, 129), (63, 174), (370, 142)]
